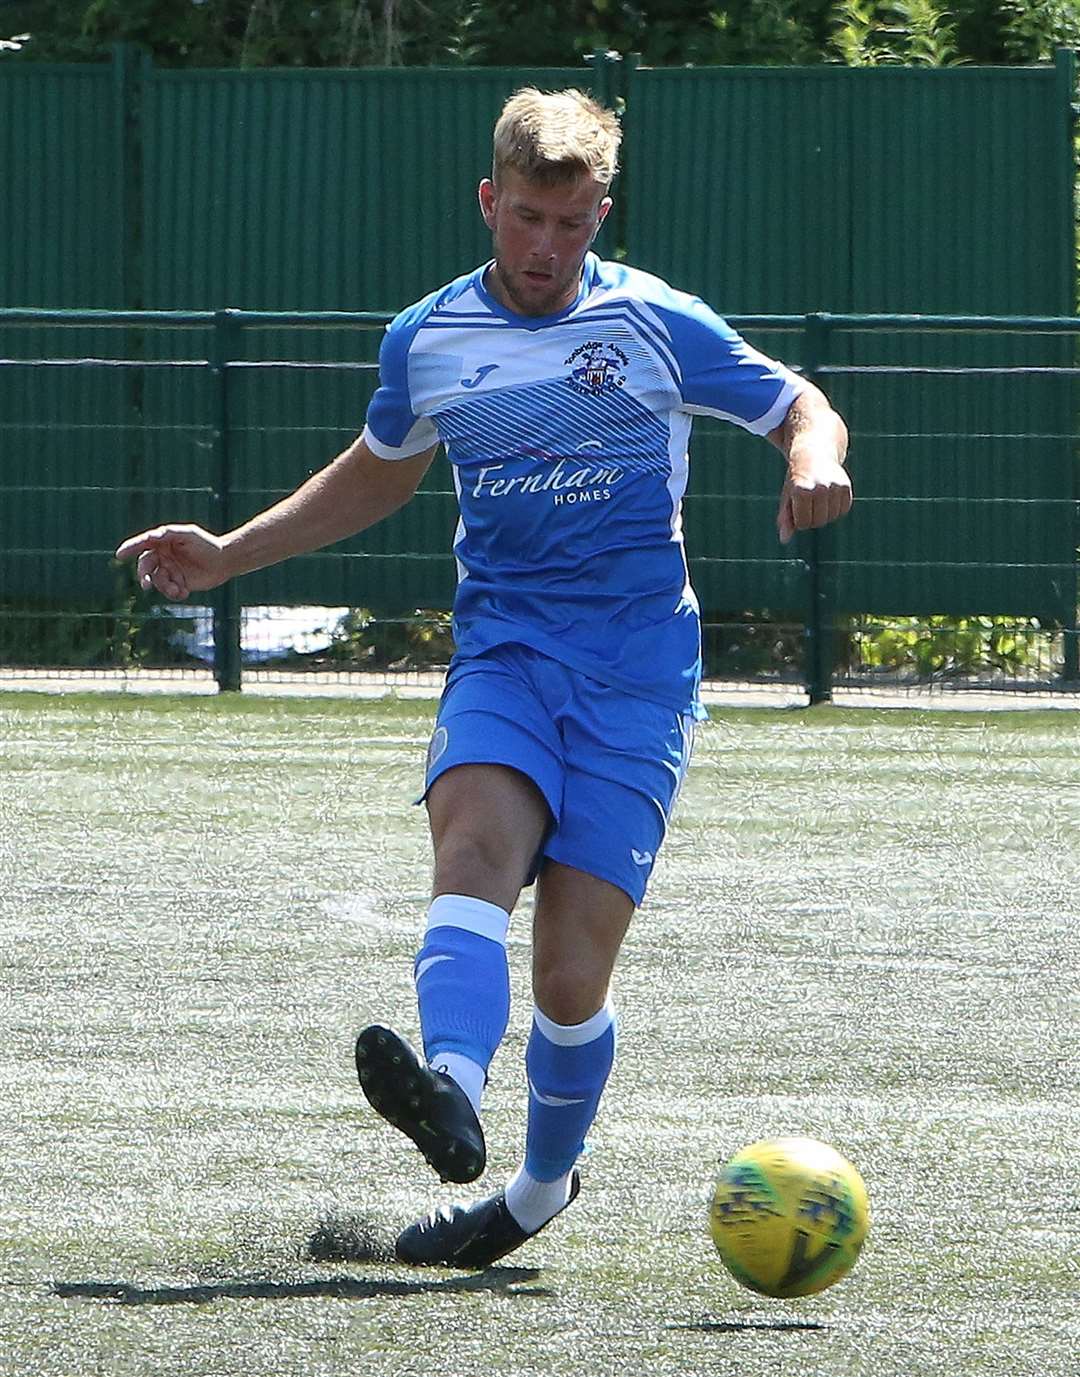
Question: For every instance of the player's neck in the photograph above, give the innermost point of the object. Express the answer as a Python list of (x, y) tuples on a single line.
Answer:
[(509, 300)]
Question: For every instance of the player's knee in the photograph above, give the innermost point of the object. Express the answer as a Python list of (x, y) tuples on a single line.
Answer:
[(570, 993), (473, 861)]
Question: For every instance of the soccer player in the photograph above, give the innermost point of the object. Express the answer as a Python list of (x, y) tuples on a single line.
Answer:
[(562, 389)]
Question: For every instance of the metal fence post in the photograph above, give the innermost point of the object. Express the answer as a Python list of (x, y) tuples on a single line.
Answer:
[(607, 87), (129, 65), (604, 64), (1065, 67), (819, 613), (226, 599), (620, 216)]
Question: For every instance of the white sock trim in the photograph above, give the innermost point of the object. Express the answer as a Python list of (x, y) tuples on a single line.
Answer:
[(576, 1034), (470, 1075), (474, 915), (533, 1203)]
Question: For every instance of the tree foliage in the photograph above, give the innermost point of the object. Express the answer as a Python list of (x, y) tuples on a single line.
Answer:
[(352, 33), (918, 34)]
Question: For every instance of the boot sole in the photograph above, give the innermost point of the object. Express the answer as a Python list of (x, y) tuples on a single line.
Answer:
[(402, 1091)]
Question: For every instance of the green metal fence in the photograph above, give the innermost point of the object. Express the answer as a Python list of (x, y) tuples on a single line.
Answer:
[(958, 564), (775, 189), (130, 188), (868, 190)]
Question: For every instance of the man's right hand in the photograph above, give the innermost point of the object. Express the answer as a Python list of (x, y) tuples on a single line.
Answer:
[(177, 560)]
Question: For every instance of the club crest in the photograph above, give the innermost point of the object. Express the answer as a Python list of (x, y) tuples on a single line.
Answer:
[(597, 368), (440, 739)]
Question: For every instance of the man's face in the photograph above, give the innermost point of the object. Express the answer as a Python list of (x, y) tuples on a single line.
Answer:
[(541, 235)]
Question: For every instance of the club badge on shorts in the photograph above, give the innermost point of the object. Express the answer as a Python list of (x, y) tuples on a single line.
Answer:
[(436, 748)]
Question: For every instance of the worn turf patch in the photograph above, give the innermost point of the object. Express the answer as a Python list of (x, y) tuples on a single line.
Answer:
[(348, 1238)]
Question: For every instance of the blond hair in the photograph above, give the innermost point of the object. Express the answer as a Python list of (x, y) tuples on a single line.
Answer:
[(552, 137)]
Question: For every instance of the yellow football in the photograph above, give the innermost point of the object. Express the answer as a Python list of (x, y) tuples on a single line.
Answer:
[(789, 1216)]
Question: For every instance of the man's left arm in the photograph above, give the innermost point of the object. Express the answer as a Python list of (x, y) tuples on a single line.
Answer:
[(814, 440)]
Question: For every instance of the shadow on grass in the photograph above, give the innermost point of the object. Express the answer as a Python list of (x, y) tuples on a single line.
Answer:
[(737, 1326), (509, 1281)]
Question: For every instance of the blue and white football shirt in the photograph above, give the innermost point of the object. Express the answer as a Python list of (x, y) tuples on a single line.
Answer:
[(568, 439)]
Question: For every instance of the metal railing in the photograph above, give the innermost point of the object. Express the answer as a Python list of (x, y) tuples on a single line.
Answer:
[(991, 553)]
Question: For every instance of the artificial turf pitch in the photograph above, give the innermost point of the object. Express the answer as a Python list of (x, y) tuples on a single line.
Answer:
[(863, 928)]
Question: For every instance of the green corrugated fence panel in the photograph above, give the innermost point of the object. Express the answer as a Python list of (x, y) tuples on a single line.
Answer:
[(958, 186), (966, 484), (736, 187), (82, 466), (976, 166), (61, 244), (775, 190), (877, 190), (823, 188), (61, 225), (297, 190), (965, 487)]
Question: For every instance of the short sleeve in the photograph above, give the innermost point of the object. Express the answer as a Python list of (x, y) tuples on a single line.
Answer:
[(722, 376), (393, 430)]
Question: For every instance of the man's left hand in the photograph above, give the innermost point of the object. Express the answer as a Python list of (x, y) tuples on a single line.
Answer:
[(814, 440), (813, 496)]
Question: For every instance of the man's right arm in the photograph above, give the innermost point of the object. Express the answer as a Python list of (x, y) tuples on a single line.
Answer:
[(351, 493)]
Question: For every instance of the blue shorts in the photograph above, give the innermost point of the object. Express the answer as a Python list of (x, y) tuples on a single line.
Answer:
[(609, 765)]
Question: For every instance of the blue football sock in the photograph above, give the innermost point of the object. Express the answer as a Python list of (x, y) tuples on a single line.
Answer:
[(567, 1067), (462, 981)]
